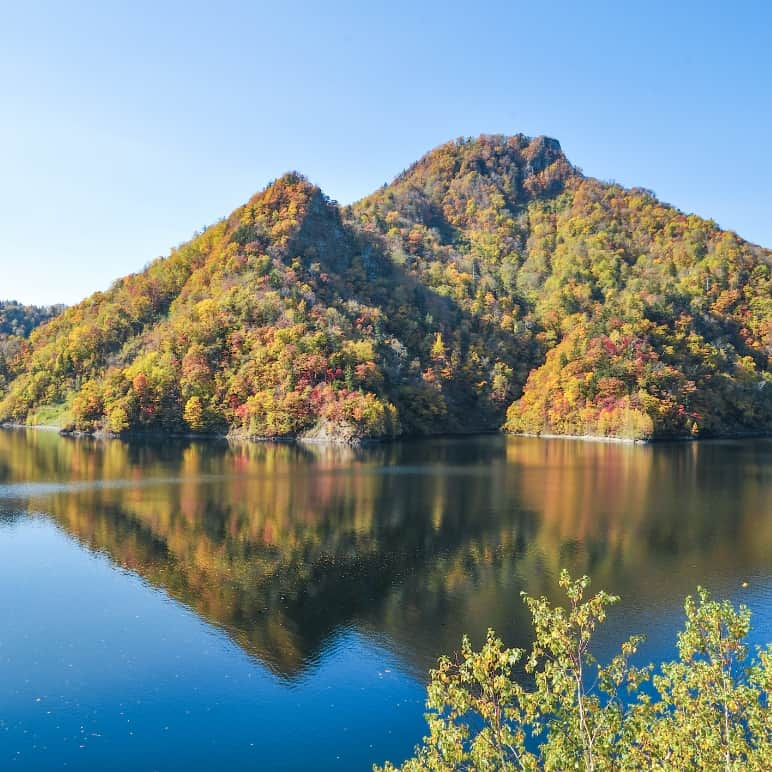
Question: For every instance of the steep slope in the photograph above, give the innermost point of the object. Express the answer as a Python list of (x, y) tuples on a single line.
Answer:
[(490, 274)]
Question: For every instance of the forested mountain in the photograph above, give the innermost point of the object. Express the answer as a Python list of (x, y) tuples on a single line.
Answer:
[(491, 282)]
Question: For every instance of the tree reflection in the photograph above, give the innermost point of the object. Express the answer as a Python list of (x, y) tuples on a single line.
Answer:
[(285, 545)]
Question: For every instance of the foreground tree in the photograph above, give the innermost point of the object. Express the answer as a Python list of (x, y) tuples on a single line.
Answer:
[(713, 709), (708, 710)]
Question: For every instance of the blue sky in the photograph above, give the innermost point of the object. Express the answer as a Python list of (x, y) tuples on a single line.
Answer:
[(124, 127)]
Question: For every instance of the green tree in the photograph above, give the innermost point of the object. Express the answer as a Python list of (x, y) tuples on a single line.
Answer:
[(710, 710), (713, 709)]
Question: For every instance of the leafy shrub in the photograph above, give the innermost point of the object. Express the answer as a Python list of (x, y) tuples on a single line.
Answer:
[(708, 710)]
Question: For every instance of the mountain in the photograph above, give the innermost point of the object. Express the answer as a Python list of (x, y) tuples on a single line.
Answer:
[(491, 282)]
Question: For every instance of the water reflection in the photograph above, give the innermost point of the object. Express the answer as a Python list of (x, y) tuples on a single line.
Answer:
[(415, 543)]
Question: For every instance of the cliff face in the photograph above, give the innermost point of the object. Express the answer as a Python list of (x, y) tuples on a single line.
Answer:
[(490, 282)]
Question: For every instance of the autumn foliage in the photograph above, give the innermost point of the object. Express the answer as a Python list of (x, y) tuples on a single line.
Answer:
[(489, 282)]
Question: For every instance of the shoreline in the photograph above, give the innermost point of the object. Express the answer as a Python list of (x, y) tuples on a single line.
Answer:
[(644, 441), (585, 438), (347, 440)]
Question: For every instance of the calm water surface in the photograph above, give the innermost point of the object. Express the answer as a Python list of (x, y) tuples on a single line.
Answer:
[(205, 606)]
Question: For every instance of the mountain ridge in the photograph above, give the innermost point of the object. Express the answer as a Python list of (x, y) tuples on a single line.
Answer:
[(490, 283)]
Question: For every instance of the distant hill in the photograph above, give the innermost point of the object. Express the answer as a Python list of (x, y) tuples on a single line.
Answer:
[(19, 320), (16, 323), (491, 283)]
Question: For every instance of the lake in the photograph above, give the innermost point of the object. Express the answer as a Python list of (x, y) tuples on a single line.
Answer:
[(205, 605)]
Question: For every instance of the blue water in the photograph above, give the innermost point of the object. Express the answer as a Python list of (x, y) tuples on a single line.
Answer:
[(209, 606)]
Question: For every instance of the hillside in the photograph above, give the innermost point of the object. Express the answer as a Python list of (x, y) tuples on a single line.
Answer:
[(491, 282)]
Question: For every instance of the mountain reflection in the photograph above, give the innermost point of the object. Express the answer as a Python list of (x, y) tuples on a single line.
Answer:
[(415, 543)]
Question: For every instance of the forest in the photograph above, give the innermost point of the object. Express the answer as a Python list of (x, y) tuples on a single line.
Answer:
[(490, 284)]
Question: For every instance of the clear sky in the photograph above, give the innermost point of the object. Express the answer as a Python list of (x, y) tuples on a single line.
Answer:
[(126, 126)]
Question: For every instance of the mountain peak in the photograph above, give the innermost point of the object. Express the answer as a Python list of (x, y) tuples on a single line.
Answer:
[(290, 186), (274, 214), (471, 174), (486, 151)]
